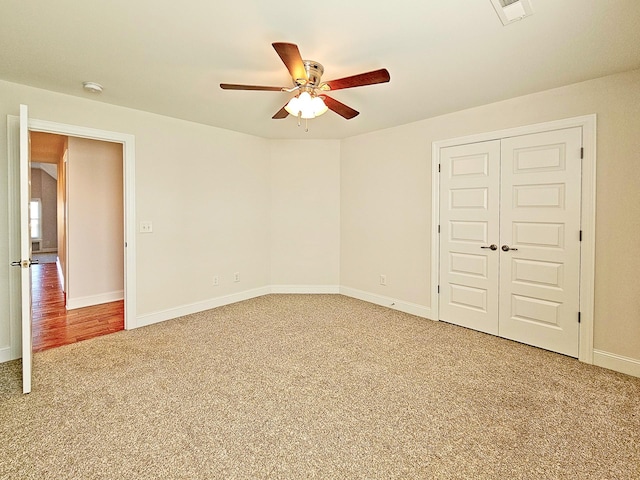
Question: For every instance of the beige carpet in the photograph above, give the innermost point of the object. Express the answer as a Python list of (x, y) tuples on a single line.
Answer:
[(302, 386)]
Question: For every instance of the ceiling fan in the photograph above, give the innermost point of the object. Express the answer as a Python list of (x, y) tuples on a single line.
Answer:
[(311, 99)]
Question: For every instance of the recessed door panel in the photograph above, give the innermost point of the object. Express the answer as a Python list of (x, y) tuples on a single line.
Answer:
[(537, 196), (536, 311), (469, 297), (538, 273), (468, 198), (468, 231), (468, 264), (545, 158), (539, 234), (470, 165)]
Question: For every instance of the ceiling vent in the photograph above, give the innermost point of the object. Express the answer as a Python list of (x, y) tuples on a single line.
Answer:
[(511, 11)]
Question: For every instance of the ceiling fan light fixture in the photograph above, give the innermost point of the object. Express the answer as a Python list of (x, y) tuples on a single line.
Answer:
[(306, 106)]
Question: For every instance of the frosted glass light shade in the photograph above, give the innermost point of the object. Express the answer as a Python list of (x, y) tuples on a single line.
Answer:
[(306, 106), (318, 106), (292, 107)]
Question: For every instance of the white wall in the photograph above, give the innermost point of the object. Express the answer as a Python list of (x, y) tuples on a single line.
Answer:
[(305, 214), (205, 189), (386, 199), (385, 215), (95, 223)]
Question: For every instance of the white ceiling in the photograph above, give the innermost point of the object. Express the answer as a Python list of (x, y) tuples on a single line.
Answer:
[(443, 56)]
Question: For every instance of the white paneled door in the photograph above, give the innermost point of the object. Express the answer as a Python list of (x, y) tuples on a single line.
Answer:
[(25, 249), (540, 231), (510, 238), (470, 230)]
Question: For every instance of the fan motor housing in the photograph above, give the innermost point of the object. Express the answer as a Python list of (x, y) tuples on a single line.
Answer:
[(314, 72)]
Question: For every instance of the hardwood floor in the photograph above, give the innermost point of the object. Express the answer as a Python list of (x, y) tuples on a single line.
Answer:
[(54, 325)]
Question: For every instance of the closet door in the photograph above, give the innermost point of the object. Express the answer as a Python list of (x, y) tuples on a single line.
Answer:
[(469, 226), (540, 239)]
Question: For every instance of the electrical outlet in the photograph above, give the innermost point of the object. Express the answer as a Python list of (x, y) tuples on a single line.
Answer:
[(216, 280), (383, 279), (146, 227), (236, 277)]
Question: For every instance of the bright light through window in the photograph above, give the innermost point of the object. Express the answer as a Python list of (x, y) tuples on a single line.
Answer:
[(35, 219)]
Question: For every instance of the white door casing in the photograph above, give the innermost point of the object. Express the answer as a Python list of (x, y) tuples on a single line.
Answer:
[(534, 186), (540, 217), (469, 218), (128, 142)]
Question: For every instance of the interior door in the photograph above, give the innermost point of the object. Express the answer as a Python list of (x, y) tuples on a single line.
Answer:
[(510, 238), (540, 239), (25, 249), (469, 235)]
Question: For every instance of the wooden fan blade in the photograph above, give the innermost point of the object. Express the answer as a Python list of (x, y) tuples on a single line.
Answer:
[(369, 78), (340, 108), (290, 56), (282, 113), (233, 86)]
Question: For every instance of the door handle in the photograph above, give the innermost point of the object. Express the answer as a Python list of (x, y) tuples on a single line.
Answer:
[(493, 246), (24, 263), (506, 248)]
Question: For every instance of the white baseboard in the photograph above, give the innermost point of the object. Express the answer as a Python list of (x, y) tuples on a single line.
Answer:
[(47, 250), (630, 366), (60, 274), (73, 303), (156, 317), (406, 307), (5, 354), (161, 316), (305, 289)]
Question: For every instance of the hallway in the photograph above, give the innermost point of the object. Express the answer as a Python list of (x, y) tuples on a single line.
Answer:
[(53, 325)]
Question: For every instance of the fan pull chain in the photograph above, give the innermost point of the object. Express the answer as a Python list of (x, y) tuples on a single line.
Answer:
[(306, 122)]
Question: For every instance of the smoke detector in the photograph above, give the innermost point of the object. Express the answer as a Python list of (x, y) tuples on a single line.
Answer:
[(92, 87), (511, 11)]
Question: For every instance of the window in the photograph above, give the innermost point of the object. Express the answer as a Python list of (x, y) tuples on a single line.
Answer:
[(35, 219)]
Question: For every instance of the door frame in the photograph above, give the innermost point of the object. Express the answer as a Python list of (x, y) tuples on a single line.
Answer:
[(587, 215), (128, 166)]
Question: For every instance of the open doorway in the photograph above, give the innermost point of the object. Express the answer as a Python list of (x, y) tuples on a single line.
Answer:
[(78, 239)]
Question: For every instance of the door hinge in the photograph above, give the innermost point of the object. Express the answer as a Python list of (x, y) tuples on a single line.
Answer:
[(581, 152), (438, 288), (580, 235), (578, 317), (438, 228), (438, 168)]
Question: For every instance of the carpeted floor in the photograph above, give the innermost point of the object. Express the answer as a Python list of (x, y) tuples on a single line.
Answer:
[(315, 386)]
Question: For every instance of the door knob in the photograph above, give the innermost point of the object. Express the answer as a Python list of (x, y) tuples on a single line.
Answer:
[(506, 248), (493, 246)]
